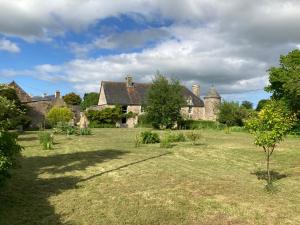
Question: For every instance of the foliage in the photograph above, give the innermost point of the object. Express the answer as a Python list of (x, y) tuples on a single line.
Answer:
[(72, 99), (149, 137), (164, 102), (143, 121), (247, 105), (46, 140), (89, 99), (175, 137), (200, 124), (59, 114), (9, 150), (232, 114), (64, 128), (285, 80), (194, 136), (107, 116), (18, 116), (261, 104), (94, 124), (165, 142), (85, 131), (270, 126), (8, 111), (137, 141)]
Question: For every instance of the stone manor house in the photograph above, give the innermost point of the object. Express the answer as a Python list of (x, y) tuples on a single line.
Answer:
[(131, 95)]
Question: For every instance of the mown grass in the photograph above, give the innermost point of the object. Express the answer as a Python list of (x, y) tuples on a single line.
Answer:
[(104, 179)]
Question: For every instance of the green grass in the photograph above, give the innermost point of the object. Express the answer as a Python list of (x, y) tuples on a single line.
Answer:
[(104, 179)]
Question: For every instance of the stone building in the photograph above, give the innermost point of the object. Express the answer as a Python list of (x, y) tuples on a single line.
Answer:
[(40, 105), (131, 96)]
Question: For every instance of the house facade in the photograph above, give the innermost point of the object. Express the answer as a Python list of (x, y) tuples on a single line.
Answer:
[(131, 96)]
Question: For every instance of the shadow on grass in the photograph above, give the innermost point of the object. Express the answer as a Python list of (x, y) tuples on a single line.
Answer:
[(24, 138), (124, 166), (263, 175), (25, 198)]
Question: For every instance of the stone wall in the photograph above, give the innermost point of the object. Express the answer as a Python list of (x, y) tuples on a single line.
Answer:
[(131, 122), (211, 108), (37, 112), (197, 113)]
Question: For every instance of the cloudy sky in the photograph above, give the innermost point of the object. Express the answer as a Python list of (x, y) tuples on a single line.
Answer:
[(72, 45)]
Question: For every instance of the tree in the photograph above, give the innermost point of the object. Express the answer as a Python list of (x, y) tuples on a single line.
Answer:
[(89, 99), (59, 114), (232, 114), (9, 148), (261, 104), (270, 126), (247, 105), (72, 99), (285, 80), (164, 102)]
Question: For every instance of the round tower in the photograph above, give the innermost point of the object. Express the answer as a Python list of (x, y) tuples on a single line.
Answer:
[(211, 103)]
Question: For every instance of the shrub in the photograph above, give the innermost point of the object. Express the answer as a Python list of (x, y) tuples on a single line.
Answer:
[(9, 150), (137, 141), (149, 137), (105, 116), (165, 143), (94, 124), (85, 131), (64, 128), (233, 114), (200, 124), (194, 136), (46, 140), (59, 114), (175, 137), (143, 121)]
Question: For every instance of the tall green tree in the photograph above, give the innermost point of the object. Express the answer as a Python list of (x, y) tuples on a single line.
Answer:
[(270, 126), (164, 102), (72, 99), (285, 80), (89, 99)]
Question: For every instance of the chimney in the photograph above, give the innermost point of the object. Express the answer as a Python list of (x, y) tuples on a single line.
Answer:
[(57, 94), (44, 95), (196, 90), (129, 81)]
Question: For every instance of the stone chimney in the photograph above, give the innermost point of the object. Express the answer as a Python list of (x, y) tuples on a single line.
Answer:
[(196, 90), (44, 95), (129, 81), (57, 94)]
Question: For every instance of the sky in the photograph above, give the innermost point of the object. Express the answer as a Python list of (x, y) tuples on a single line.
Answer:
[(72, 45)]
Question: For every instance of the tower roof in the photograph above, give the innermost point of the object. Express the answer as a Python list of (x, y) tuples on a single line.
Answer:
[(212, 93)]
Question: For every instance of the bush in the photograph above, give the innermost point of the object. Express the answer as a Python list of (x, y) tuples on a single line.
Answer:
[(137, 141), (105, 116), (175, 137), (165, 143), (194, 136), (64, 128), (94, 124), (143, 121), (85, 131), (46, 140), (9, 149), (149, 137), (232, 114), (59, 114), (200, 124)]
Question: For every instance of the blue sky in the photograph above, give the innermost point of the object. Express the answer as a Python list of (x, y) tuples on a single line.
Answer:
[(73, 45)]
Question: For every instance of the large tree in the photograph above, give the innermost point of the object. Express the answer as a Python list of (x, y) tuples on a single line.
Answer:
[(89, 99), (285, 80), (164, 102)]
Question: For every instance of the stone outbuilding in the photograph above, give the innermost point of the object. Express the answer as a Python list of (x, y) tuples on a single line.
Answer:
[(131, 96)]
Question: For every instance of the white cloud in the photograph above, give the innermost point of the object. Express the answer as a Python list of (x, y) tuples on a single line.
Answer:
[(7, 45)]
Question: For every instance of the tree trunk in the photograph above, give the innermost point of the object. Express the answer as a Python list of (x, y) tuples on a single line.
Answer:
[(268, 166)]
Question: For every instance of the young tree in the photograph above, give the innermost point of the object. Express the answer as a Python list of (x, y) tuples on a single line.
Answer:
[(59, 114), (164, 102), (270, 126), (285, 80), (72, 99), (89, 99)]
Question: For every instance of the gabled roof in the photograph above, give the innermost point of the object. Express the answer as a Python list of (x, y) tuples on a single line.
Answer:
[(119, 93)]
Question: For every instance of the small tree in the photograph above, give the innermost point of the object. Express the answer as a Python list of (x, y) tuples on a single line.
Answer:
[(247, 105), (164, 102), (270, 126), (57, 114), (89, 99), (72, 99)]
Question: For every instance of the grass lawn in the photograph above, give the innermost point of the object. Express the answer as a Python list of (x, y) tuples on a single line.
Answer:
[(104, 179)]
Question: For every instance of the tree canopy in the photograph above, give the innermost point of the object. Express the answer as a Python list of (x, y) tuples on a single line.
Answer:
[(164, 102), (72, 99), (285, 80), (89, 99)]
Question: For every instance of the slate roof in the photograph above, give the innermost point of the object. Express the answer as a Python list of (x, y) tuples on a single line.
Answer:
[(43, 98), (119, 93)]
